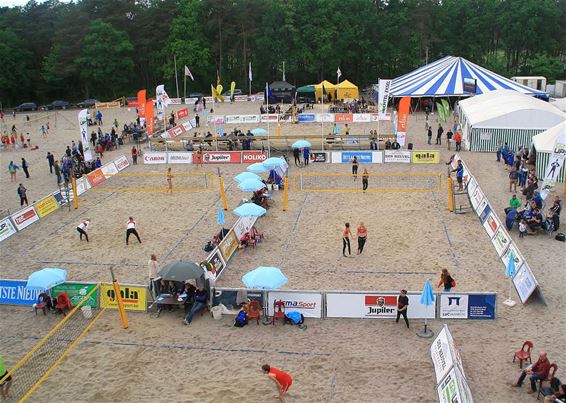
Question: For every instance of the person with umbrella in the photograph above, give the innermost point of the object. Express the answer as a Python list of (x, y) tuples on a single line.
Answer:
[(402, 306), (306, 154), (297, 156)]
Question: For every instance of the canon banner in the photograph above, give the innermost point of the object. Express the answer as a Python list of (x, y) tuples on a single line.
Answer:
[(403, 120), (83, 127), (383, 97), (555, 164)]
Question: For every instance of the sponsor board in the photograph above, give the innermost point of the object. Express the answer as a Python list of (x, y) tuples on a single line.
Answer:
[(243, 225), (179, 157), (82, 185), (113, 104), (309, 304), (500, 241), (121, 163), (467, 306), (175, 101), (476, 197), (491, 224), (77, 292), (24, 218), (374, 306), (524, 282), (229, 245), (442, 353), (219, 157), (134, 297), (425, 157), (454, 388), (517, 257), (403, 157), (324, 117), (232, 119), (343, 118), (250, 157), (216, 119), (14, 292), (96, 177), (485, 136), (180, 129), (7, 229), (240, 98), (46, 206), (484, 210), (233, 298), (191, 101), (132, 103), (109, 170), (217, 261), (270, 117), (318, 157), (346, 157), (361, 117), (182, 113), (155, 157), (306, 117)]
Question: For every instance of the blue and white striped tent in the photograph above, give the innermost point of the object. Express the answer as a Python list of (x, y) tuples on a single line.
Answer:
[(445, 77)]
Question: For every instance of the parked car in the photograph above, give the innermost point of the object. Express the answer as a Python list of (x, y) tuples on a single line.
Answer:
[(26, 106), (237, 91), (56, 105), (87, 103)]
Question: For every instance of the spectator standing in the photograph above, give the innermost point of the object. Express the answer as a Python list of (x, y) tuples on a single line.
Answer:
[(522, 228), (57, 172), (51, 160), (135, 155), (197, 120), (439, 133), (498, 152), (554, 212), (429, 135), (513, 179), (153, 267), (99, 118), (306, 155), (446, 280), (22, 192), (297, 156), (12, 168), (458, 140), (402, 306)]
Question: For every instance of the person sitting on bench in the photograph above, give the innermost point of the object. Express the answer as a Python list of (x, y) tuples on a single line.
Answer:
[(535, 221)]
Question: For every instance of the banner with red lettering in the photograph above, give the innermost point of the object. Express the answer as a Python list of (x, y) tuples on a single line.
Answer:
[(182, 113), (403, 120), (141, 103), (149, 116)]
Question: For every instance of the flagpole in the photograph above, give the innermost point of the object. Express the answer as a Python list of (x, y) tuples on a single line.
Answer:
[(322, 117), (176, 78), (185, 87), (268, 142)]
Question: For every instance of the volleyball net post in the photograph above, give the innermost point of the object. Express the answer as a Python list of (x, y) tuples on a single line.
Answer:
[(119, 302), (450, 192), (75, 193), (222, 191), (285, 192)]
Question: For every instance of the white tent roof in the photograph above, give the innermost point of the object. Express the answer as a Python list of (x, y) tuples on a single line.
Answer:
[(559, 103), (544, 142), (509, 109)]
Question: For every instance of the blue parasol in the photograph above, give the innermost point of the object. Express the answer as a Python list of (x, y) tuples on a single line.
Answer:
[(427, 299), (251, 185), (301, 144), (246, 175), (275, 162), (259, 131), (220, 218), (510, 269), (249, 210), (47, 278), (257, 168), (265, 278)]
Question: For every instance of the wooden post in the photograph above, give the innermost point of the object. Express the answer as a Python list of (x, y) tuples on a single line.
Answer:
[(285, 193)]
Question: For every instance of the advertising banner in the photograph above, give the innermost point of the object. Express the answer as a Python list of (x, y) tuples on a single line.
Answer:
[(555, 164), (180, 157), (324, 117), (361, 118), (182, 113), (221, 157), (132, 103), (229, 245), (383, 97), (96, 177), (318, 157), (403, 120), (82, 185), (155, 157), (251, 157), (500, 241), (46, 206), (519, 260), (77, 292), (191, 101), (121, 163), (241, 98), (309, 304), (149, 116), (467, 306), (425, 157), (270, 117), (14, 292), (483, 210), (454, 388), (243, 225), (217, 261), (7, 229), (109, 170), (232, 299), (140, 103), (134, 297), (377, 157), (441, 352), (306, 117), (374, 305), (176, 101), (403, 157), (476, 197), (524, 282), (25, 217), (343, 118), (216, 119), (364, 157), (83, 127), (491, 224)]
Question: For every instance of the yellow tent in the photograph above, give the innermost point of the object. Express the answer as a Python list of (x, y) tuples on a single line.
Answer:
[(347, 90), (329, 88)]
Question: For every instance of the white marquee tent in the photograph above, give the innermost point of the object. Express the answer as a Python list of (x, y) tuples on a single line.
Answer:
[(543, 144), (504, 116)]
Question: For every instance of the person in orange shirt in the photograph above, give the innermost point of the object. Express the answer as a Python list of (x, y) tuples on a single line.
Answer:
[(362, 237), (282, 379), (346, 239)]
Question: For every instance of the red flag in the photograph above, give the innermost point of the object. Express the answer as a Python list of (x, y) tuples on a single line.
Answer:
[(141, 103), (149, 116), (403, 117)]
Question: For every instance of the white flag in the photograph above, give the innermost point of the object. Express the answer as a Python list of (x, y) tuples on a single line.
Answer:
[(188, 73), (250, 73), (338, 73)]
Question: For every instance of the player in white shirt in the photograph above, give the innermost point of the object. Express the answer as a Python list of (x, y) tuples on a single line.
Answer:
[(131, 229), (82, 228)]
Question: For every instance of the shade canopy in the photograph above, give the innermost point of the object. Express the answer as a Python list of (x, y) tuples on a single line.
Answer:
[(46, 278), (181, 271), (257, 168), (329, 88), (306, 89), (265, 278), (246, 175), (275, 162), (281, 86), (301, 144), (258, 131), (446, 77), (347, 90), (251, 185), (544, 142), (249, 210)]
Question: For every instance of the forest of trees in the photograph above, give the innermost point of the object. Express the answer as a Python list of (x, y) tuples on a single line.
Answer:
[(109, 48)]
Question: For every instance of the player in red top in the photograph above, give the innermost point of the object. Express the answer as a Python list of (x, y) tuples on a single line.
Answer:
[(282, 379)]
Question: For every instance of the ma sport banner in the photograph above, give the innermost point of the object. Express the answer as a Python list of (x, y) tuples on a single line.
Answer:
[(83, 127), (554, 166)]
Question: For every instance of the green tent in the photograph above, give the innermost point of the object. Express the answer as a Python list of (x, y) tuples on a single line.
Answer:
[(305, 93), (307, 89)]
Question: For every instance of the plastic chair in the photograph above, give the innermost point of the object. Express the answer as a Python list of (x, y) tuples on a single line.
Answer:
[(63, 303), (254, 310), (523, 354), (43, 303), (551, 372), (278, 311)]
